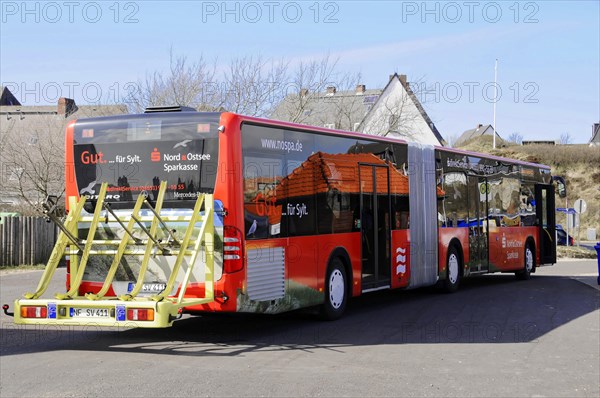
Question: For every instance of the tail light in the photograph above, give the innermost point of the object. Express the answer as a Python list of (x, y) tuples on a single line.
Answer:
[(34, 312), (233, 253), (68, 265), (140, 314)]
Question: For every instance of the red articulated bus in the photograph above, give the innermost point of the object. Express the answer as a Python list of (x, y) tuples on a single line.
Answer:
[(307, 216)]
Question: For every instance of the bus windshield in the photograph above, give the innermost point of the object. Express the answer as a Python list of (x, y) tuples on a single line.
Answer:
[(134, 153)]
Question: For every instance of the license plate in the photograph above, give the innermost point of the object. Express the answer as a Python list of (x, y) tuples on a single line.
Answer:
[(153, 287), (148, 287), (89, 313)]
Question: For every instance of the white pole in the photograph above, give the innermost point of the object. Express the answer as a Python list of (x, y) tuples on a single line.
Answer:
[(495, 97), (568, 219)]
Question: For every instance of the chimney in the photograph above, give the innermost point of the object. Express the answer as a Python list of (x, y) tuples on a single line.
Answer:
[(360, 89), (402, 78), (66, 107), (303, 92), (479, 125), (331, 90)]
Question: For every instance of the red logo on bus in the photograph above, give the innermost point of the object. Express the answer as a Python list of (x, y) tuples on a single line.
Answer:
[(92, 158), (155, 155)]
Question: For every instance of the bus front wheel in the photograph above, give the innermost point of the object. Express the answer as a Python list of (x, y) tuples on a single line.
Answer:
[(529, 265), (453, 269), (336, 292)]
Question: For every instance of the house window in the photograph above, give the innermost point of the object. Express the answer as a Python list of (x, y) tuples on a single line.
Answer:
[(329, 125), (15, 173), (356, 126)]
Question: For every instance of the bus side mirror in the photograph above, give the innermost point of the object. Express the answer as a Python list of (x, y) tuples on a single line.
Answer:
[(561, 186)]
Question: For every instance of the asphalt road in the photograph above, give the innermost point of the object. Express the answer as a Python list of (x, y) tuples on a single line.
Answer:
[(494, 337)]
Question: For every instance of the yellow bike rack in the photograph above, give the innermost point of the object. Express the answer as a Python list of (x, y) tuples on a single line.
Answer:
[(159, 310)]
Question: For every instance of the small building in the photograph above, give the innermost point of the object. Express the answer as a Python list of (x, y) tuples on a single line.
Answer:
[(334, 109), (392, 111), (539, 142), (479, 131), (399, 113), (595, 140)]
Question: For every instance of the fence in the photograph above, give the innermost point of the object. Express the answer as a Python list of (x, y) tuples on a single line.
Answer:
[(26, 240)]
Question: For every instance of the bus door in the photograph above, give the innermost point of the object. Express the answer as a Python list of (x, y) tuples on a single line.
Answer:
[(375, 225), (478, 224), (544, 210)]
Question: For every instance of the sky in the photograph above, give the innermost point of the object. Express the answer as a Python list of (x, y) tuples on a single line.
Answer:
[(548, 52)]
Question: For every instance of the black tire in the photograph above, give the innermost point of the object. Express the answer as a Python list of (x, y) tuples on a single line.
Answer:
[(453, 270), (336, 291), (528, 264)]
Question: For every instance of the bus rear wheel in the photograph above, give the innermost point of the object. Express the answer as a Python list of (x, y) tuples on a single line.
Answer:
[(529, 264), (336, 292), (453, 268)]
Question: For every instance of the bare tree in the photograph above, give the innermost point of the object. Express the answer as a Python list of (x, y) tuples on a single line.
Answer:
[(252, 85), (398, 113), (451, 139), (565, 138), (33, 163), (186, 84), (516, 138), (305, 84), (5, 127)]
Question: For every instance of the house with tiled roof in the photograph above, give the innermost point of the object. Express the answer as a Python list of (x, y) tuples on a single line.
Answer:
[(399, 113), (333, 108), (393, 111), (324, 172), (321, 176)]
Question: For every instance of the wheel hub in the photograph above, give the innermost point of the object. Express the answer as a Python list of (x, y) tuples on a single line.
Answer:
[(453, 268), (336, 289), (528, 260)]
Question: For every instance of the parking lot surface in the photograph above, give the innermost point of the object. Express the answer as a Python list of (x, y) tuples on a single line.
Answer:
[(495, 337)]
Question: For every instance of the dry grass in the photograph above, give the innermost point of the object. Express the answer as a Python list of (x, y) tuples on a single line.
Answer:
[(578, 164), (574, 252), (8, 269)]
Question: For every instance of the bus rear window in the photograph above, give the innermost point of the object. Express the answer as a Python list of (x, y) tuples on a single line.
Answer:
[(136, 153), (145, 130)]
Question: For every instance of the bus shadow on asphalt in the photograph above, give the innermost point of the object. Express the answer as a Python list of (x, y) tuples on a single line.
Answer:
[(489, 309)]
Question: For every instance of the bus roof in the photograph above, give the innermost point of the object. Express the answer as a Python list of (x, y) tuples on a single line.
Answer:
[(493, 157), (133, 116)]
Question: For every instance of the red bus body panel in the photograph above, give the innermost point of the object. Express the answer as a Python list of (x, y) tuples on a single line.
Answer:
[(307, 257)]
